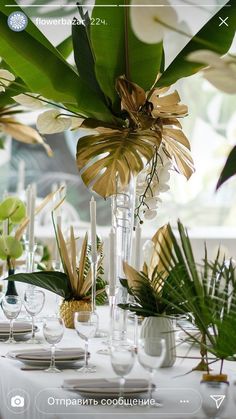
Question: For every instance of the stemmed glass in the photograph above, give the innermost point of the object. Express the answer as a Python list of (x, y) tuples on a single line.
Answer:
[(11, 305), (122, 361), (213, 398), (86, 323), (151, 353), (53, 330), (33, 302)]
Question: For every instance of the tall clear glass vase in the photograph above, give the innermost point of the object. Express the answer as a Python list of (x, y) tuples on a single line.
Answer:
[(123, 206)]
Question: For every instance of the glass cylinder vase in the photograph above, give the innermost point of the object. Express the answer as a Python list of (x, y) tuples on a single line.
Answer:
[(123, 206)]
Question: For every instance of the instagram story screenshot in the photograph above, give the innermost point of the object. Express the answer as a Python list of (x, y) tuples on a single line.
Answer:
[(117, 209)]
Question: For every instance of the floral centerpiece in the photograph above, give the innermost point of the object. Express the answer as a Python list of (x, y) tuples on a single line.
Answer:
[(75, 283), (130, 123)]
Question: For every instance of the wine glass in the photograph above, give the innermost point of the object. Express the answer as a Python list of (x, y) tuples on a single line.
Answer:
[(33, 302), (122, 361), (151, 353), (86, 323), (53, 330), (213, 398), (11, 305)]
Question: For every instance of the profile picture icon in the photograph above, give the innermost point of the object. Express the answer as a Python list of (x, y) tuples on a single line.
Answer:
[(17, 21), (17, 401)]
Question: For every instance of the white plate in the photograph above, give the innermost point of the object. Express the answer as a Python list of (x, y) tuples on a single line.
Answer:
[(46, 363), (94, 390), (66, 361), (17, 334), (103, 393)]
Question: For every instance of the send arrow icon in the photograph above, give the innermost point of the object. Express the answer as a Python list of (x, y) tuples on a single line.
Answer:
[(218, 399)]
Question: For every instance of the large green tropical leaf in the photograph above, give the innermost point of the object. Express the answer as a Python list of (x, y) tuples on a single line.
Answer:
[(211, 37), (101, 158), (43, 69), (83, 53), (229, 169), (119, 52), (53, 281), (66, 47)]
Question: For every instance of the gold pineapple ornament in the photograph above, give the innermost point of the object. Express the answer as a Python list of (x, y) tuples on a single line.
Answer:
[(69, 308)]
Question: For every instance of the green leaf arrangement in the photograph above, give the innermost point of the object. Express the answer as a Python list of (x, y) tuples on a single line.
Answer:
[(182, 286), (104, 54), (75, 282)]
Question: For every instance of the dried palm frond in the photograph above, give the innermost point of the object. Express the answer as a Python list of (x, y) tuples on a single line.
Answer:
[(20, 132)]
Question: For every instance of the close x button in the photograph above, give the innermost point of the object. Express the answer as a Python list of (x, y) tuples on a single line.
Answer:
[(223, 21)]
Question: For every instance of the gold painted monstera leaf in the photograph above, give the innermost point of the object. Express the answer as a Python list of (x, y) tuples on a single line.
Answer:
[(103, 157), (118, 153)]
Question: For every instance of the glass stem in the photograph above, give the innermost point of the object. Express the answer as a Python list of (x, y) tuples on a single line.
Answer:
[(53, 348), (33, 329), (11, 338), (122, 387), (150, 389), (86, 354)]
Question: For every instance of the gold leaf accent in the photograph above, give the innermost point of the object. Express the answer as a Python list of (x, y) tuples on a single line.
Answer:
[(161, 255), (101, 158), (66, 260), (132, 97), (23, 133), (82, 264), (133, 276)]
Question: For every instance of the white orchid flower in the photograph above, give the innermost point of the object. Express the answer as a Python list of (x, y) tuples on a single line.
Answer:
[(29, 100), (5, 79), (51, 122), (221, 71), (150, 23)]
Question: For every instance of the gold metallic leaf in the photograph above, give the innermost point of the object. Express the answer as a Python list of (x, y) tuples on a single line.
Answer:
[(23, 133), (102, 158)]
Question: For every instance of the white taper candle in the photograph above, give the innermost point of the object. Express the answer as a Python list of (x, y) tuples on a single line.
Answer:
[(93, 229), (31, 222), (21, 177)]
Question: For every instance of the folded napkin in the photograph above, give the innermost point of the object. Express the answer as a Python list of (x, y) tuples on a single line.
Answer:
[(62, 354), (17, 327), (103, 385)]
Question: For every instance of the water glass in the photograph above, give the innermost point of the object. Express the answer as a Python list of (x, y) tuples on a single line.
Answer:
[(33, 301), (122, 361), (151, 353), (11, 305), (86, 323), (53, 330)]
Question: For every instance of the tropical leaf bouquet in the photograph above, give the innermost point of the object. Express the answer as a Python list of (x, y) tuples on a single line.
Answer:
[(119, 90), (74, 284), (174, 284)]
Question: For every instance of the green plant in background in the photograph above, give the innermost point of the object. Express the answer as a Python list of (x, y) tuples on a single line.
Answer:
[(12, 213), (103, 90)]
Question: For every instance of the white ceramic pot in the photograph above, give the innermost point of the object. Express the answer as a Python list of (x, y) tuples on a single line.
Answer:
[(162, 327)]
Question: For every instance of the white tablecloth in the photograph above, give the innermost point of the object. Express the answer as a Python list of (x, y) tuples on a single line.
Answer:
[(38, 386)]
